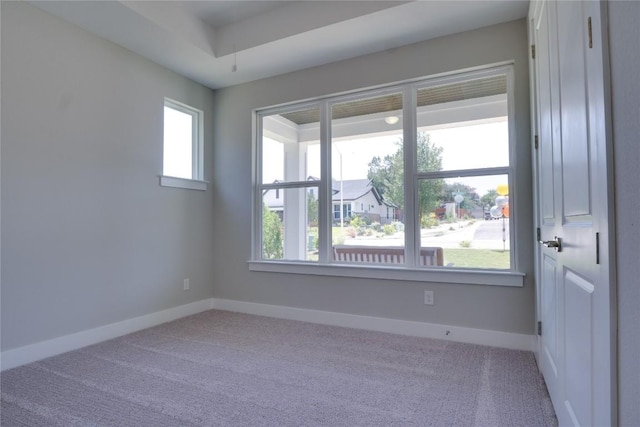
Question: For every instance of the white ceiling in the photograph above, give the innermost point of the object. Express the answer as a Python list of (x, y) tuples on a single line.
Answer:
[(203, 39)]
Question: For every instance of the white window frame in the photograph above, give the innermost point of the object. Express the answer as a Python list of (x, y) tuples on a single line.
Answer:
[(411, 270), (196, 182)]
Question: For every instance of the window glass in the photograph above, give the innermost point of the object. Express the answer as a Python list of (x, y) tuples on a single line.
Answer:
[(367, 174), (463, 126), (178, 143), (183, 147), (290, 146), (466, 123), (290, 224), (468, 218)]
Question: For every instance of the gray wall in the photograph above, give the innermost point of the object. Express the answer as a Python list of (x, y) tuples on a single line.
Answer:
[(88, 235), (624, 35), (487, 307)]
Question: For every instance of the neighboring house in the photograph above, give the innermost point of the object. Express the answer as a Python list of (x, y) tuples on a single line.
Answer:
[(358, 197), (275, 199)]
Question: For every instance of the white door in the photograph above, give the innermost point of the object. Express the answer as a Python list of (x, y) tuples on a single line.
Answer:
[(575, 290)]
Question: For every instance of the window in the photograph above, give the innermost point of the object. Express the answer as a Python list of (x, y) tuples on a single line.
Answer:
[(462, 130), (182, 159), (346, 211), (427, 163), (366, 133), (290, 176)]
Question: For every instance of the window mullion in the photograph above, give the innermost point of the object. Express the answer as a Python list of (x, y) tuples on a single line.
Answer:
[(200, 146), (257, 197), (502, 170), (292, 184), (324, 196), (195, 170), (412, 225)]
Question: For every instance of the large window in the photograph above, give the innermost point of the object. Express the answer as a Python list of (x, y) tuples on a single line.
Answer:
[(414, 176), (182, 155)]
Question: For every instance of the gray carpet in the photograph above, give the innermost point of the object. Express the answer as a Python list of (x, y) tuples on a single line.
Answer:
[(219, 368)]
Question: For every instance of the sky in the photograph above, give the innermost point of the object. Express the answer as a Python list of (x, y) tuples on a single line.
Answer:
[(177, 144), (464, 147)]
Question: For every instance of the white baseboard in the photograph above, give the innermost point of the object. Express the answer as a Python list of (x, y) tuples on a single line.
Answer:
[(31, 353), (403, 327)]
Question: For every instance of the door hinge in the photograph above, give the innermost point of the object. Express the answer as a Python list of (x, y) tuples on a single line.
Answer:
[(539, 328), (538, 235), (597, 248), (590, 33), (533, 51), (535, 142)]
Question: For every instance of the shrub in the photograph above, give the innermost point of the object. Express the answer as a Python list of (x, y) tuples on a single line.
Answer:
[(351, 232), (389, 229), (465, 244), (359, 221), (429, 221), (271, 235), (398, 225)]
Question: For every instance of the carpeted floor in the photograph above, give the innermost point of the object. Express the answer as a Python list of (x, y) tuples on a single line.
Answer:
[(219, 368)]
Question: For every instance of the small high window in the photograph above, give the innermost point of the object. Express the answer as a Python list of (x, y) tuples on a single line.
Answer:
[(182, 159)]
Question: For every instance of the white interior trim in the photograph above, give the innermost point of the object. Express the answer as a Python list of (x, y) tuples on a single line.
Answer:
[(389, 272), (33, 352), (403, 327), (41, 350), (189, 184)]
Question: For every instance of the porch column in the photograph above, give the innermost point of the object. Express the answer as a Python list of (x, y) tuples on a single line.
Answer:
[(295, 202)]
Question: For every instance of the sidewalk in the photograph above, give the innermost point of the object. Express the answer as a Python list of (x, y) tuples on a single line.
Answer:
[(448, 235)]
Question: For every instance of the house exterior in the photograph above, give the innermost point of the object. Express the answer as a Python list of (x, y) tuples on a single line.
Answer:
[(360, 197), (357, 197)]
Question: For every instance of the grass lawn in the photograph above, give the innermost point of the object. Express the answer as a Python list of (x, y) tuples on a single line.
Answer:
[(481, 258)]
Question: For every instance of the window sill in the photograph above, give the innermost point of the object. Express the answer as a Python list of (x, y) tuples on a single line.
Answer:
[(189, 184), (433, 275)]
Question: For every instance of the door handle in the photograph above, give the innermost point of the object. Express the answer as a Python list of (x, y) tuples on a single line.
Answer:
[(556, 243)]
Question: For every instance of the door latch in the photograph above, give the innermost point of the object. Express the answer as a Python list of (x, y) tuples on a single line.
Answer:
[(556, 243)]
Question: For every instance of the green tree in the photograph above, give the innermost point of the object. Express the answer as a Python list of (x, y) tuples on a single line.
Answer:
[(387, 174), (271, 234), (489, 199), (471, 198), (312, 209)]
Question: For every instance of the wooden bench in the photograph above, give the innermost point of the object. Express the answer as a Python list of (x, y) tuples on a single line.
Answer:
[(385, 255)]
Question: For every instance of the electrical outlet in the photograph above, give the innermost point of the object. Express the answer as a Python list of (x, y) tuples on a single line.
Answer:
[(185, 285), (428, 297)]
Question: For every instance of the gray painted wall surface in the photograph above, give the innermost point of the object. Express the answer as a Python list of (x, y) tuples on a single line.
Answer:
[(624, 35), (88, 235), (486, 307)]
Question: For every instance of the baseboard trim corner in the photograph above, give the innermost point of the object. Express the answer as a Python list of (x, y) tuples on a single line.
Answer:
[(404, 327), (41, 350)]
